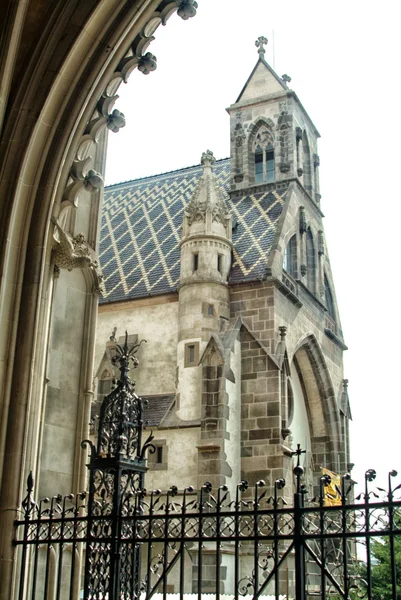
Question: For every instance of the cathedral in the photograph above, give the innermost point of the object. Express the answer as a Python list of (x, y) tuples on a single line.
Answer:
[(222, 270)]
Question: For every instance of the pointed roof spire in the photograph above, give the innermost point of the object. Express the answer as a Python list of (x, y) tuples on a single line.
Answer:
[(283, 332), (260, 44), (263, 80), (207, 197), (281, 351), (345, 404)]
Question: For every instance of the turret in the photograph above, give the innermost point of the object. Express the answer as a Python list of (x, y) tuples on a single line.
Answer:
[(203, 292)]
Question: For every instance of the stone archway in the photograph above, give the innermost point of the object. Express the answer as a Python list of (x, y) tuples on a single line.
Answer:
[(60, 78), (323, 413)]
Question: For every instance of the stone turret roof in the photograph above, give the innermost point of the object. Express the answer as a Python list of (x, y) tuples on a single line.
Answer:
[(141, 231), (207, 196)]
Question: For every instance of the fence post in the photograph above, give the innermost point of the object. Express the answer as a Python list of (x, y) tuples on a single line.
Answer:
[(116, 475), (298, 528)]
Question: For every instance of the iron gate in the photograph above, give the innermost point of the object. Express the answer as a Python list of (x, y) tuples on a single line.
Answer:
[(118, 542)]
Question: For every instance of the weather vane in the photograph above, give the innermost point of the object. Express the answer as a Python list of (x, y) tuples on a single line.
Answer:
[(260, 44)]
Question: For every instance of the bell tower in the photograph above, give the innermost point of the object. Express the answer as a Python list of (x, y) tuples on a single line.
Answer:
[(272, 136), (203, 291)]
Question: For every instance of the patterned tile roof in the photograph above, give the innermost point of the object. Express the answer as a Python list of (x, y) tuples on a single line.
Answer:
[(141, 231)]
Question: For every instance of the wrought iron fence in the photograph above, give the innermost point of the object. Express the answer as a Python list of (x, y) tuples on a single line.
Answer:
[(118, 542), (187, 542)]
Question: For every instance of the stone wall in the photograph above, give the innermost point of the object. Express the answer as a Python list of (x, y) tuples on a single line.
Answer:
[(155, 320), (264, 307)]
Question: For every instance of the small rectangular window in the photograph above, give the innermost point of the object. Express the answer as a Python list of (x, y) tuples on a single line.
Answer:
[(157, 460), (191, 354), (220, 263), (210, 310), (196, 261)]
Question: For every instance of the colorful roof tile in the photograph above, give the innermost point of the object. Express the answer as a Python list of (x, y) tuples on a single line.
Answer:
[(141, 231)]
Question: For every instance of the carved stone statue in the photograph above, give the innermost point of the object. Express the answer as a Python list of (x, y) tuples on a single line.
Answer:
[(71, 253)]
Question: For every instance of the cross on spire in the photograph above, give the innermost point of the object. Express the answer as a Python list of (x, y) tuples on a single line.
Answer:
[(260, 43)]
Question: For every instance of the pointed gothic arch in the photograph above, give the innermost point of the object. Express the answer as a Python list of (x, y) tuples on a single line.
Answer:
[(290, 259), (321, 402), (261, 151)]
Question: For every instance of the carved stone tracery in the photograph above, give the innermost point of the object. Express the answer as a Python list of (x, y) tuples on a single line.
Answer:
[(238, 137), (284, 125), (82, 175)]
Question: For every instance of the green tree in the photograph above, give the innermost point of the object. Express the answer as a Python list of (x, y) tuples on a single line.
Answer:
[(381, 570)]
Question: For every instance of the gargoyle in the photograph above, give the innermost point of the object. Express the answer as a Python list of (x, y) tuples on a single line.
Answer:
[(71, 253)]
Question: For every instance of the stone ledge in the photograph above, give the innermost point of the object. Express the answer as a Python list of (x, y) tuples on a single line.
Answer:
[(330, 334), (285, 290), (209, 447)]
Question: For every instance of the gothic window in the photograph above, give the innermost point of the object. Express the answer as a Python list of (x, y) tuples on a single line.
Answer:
[(310, 261), (290, 257), (328, 296), (263, 155)]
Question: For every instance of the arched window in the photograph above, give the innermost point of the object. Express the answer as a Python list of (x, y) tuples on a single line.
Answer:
[(310, 261), (328, 297), (263, 155), (290, 257)]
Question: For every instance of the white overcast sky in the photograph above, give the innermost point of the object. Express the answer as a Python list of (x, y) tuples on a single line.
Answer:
[(343, 58)]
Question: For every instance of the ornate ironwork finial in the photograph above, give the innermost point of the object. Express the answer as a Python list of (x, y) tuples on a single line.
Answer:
[(121, 414), (283, 332), (298, 470), (125, 355), (297, 452), (113, 335), (28, 503), (286, 78), (260, 44)]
